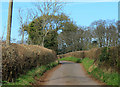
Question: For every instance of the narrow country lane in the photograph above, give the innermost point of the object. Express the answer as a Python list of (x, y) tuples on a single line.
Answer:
[(69, 73)]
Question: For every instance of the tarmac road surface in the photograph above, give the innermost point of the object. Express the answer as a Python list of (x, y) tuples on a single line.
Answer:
[(69, 73)]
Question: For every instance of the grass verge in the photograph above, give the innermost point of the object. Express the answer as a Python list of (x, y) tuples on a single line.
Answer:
[(29, 77), (73, 59), (107, 77)]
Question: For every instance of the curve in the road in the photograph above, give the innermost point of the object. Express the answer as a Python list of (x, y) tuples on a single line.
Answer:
[(69, 73)]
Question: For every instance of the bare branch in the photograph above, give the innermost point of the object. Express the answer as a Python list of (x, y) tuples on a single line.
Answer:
[(3, 33)]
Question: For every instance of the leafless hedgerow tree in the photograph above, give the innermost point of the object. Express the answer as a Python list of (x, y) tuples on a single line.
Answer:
[(47, 9), (23, 20), (106, 32)]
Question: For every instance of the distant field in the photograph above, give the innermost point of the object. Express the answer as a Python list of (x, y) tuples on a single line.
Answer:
[(73, 59)]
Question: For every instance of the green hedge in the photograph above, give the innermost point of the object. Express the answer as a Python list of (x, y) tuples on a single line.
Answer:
[(105, 76)]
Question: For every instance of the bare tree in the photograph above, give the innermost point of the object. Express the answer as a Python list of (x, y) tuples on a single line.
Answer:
[(9, 22), (45, 9), (99, 31), (23, 19), (106, 32)]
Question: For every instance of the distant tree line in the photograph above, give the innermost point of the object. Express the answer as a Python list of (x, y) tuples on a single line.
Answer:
[(45, 32), (101, 33)]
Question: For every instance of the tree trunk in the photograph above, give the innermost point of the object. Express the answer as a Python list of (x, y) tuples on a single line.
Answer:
[(9, 22), (42, 44), (22, 35)]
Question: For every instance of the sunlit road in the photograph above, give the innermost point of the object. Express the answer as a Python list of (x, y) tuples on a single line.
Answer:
[(69, 74)]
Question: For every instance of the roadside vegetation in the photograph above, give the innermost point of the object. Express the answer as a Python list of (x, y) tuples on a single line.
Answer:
[(73, 59), (107, 77), (94, 69), (30, 75)]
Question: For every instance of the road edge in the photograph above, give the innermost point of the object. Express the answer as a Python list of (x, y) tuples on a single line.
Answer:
[(90, 76)]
